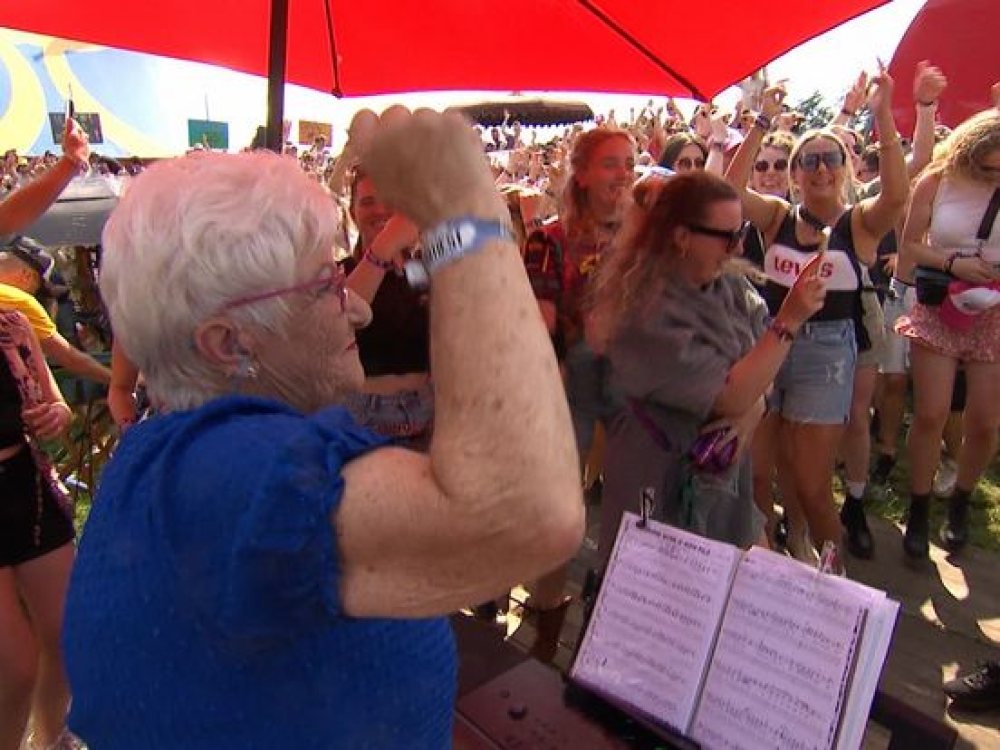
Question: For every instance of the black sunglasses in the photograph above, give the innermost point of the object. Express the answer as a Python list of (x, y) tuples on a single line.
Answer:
[(811, 162), (733, 237), (685, 163), (779, 165)]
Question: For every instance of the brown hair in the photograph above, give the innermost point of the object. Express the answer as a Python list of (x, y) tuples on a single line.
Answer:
[(643, 256), (574, 210), (673, 146), (969, 142)]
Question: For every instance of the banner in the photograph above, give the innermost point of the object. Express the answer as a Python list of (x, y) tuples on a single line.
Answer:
[(309, 131), (89, 121), (209, 133)]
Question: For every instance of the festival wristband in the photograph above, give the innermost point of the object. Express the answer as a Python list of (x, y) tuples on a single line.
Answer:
[(450, 241)]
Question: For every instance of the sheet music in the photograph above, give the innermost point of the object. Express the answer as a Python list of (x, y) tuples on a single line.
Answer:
[(782, 662), (875, 641), (655, 619)]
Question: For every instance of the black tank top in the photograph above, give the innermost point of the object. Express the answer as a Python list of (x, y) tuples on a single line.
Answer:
[(786, 257), (397, 341)]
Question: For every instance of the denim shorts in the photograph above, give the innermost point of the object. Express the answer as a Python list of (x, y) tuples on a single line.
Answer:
[(900, 303), (816, 383), (588, 390), (406, 416)]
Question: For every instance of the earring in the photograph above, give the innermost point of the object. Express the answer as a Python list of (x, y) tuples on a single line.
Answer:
[(246, 369)]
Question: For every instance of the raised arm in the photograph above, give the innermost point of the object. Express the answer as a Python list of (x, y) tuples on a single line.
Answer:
[(498, 499), (765, 212), (928, 84), (27, 203), (880, 214)]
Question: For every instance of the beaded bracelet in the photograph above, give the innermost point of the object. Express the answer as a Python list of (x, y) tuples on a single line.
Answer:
[(783, 332), (385, 265)]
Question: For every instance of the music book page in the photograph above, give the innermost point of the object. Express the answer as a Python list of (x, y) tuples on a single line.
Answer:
[(783, 660), (655, 620)]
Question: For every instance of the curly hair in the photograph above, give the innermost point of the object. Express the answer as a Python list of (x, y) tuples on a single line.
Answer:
[(575, 213), (643, 257), (970, 142)]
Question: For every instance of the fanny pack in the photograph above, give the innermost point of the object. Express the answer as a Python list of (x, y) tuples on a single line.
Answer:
[(932, 283)]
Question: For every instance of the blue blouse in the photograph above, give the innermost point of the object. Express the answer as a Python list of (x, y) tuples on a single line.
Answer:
[(204, 609)]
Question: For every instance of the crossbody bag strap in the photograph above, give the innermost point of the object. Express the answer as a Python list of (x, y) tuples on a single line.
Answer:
[(652, 429), (986, 227)]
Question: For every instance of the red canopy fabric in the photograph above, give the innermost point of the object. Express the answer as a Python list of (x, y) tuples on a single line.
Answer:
[(675, 47), (960, 37)]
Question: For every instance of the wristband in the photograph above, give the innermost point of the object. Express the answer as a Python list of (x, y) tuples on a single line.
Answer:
[(783, 332), (948, 264), (763, 122), (384, 265), (451, 241), (889, 143), (718, 146), (846, 112), (926, 104)]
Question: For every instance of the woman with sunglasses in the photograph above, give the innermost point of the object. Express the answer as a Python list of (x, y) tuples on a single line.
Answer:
[(258, 570), (683, 152), (689, 351), (949, 227), (813, 390)]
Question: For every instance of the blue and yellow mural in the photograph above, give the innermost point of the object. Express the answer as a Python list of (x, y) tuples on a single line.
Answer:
[(37, 73)]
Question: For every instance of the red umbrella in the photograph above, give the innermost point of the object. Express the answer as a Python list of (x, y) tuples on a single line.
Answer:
[(960, 37), (350, 48)]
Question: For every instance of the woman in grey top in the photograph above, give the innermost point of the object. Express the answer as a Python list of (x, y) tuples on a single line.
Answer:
[(689, 352)]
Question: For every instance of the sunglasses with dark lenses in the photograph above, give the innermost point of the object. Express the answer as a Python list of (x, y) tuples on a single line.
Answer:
[(733, 237), (779, 165), (811, 162), (685, 163)]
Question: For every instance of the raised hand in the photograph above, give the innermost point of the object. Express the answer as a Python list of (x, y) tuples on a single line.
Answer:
[(75, 144), (857, 95), (430, 167), (880, 92), (928, 83), (807, 294), (772, 100)]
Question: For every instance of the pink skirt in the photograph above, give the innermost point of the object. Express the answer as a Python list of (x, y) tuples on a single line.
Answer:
[(981, 343)]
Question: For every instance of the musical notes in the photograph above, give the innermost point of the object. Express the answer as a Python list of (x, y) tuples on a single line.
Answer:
[(656, 618)]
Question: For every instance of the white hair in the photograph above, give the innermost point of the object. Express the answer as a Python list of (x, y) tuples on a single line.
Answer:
[(193, 233)]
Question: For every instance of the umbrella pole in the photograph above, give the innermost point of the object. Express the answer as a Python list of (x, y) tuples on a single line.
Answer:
[(276, 59)]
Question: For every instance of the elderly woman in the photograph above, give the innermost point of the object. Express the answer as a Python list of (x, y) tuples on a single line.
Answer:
[(688, 350), (258, 571)]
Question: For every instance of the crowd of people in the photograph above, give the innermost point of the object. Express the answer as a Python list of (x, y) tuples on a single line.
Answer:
[(378, 382)]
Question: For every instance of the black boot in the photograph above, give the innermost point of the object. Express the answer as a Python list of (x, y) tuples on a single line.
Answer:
[(955, 533), (915, 541), (858, 535)]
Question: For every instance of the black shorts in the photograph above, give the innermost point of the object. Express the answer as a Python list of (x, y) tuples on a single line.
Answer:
[(32, 522)]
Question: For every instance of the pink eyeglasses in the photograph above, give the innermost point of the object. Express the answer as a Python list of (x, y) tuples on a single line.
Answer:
[(330, 279)]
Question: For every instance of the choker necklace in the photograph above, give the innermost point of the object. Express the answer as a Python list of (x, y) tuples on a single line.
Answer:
[(811, 219)]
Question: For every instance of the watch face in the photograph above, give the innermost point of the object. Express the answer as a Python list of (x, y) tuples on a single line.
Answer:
[(416, 275)]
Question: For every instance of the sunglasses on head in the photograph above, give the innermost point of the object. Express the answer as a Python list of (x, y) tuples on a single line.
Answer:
[(779, 165), (733, 237), (685, 163), (811, 162)]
